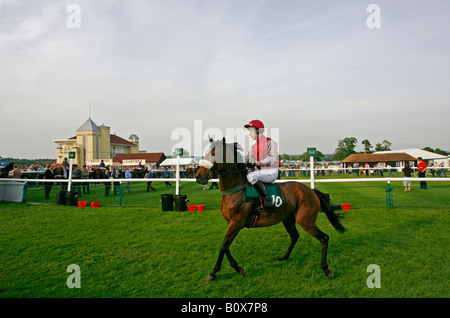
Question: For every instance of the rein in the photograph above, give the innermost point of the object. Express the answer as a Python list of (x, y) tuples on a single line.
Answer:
[(238, 188), (212, 166)]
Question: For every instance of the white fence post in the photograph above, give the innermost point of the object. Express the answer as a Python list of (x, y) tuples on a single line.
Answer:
[(70, 175), (177, 176)]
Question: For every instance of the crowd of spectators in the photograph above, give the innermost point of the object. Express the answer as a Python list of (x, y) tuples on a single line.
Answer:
[(330, 169), (286, 170)]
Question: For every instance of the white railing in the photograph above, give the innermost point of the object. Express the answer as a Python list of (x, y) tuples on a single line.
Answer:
[(385, 179), (312, 178), (312, 181)]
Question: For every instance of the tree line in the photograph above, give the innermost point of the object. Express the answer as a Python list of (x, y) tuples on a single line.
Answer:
[(27, 162), (347, 146)]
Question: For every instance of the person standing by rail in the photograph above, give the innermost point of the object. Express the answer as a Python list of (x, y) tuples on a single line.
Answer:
[(407, 176), (422, 167), (48, 174)]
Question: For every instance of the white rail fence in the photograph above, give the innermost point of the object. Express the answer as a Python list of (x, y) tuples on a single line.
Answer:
[(312, 181), (13, 189)]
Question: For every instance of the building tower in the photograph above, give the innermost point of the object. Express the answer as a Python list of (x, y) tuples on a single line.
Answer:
[(88, 141)]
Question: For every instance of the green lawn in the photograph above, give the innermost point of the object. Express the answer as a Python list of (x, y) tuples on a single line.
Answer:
[(139, 251)]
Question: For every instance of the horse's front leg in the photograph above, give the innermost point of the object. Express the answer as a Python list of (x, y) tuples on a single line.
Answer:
[(225, 249)]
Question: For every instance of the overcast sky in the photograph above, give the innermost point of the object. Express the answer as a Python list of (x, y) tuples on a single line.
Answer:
[(312, 69)]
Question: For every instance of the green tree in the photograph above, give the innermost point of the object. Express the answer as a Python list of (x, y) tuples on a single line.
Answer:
[(440, 151), (383, 146), (437, 150), (367, 146), (345, 148), (319, 156)]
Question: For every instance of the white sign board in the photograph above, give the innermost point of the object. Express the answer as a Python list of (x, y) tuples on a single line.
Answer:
[(133, 162)]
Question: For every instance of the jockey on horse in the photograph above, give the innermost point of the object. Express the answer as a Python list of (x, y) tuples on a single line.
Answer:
[(263, 155)]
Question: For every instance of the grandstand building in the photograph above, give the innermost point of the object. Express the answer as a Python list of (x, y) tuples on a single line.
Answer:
[(93, 143)]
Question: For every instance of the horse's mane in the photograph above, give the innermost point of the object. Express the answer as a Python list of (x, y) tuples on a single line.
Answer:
[(236, 149)]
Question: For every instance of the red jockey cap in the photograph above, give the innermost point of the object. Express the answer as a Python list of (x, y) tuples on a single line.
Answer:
[(255, 124)]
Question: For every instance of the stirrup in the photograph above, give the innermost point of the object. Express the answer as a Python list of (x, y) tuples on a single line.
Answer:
[(269, 204)]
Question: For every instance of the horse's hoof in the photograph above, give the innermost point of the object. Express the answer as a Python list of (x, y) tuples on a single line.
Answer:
[(210, 278), (280, 259), (329, 274), (241, 270)]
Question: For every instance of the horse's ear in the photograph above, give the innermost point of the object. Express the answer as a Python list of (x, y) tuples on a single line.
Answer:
[(210, 139)]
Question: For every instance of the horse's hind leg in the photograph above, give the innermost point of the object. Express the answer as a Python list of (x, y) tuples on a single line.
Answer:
[(323, 239), (289, 224)]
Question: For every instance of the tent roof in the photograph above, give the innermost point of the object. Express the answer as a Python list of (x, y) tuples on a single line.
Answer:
[(416, 152), (173, 162), (377, 157)]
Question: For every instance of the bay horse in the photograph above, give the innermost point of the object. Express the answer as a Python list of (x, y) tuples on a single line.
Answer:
[(5, 172), (138, 173), (98, 173), (301, 205), (190, 172)]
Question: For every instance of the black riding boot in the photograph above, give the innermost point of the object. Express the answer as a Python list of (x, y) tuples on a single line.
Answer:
[(267, 202)]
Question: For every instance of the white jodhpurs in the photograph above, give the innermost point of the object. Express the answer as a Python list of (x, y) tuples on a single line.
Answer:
[(267, 175)]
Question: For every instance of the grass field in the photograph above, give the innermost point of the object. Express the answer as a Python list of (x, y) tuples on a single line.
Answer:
[(139, 251)]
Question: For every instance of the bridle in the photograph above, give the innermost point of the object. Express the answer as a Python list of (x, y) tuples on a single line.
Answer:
[(213, 166)]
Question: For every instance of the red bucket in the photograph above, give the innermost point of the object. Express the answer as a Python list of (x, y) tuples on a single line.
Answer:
[(82, 204), (192, 208), (200, 208), (95, 204), (346, 206)]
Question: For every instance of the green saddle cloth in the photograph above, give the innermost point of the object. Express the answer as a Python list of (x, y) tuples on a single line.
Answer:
[(273, 190)]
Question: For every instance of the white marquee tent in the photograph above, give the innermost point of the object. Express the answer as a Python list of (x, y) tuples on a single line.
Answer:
[(427, 156), (183, 162)]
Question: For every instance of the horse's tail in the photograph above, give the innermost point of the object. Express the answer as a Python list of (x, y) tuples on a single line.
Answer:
[(329, 209)]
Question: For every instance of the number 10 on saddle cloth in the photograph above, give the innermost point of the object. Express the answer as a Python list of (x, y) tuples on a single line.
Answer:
[(273, 191)]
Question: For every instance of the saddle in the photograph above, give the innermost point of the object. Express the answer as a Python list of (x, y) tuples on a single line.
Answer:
[(273, 191), (251, 195)]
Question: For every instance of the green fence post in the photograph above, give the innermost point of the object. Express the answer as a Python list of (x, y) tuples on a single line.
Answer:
[(24, 193), (389, 196)]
